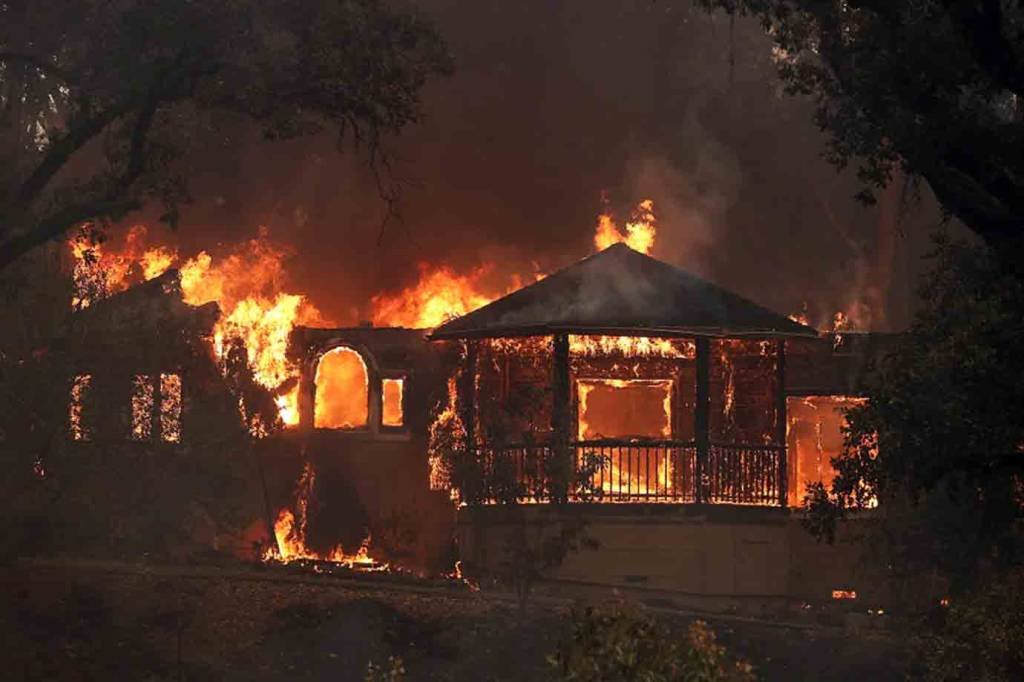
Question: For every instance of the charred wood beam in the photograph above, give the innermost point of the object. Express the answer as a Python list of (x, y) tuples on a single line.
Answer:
[(560, 413), (702, 417), (467, 394), (780, 419)]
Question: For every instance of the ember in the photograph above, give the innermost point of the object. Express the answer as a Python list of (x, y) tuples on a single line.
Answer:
[(79, 391)]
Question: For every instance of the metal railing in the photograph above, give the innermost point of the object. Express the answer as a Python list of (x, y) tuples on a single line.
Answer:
[(640, 471), (744, 474)]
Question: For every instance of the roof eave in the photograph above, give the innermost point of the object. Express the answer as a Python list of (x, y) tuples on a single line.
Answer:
[(441, 334)]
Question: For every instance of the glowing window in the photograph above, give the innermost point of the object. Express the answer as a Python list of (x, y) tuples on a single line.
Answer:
[(391, 390), (170, 407), (142, 407), (342, 395), (617, 408), (814, 437), (79, 391)]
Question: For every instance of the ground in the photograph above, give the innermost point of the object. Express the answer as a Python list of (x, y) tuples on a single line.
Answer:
[(106, 621)]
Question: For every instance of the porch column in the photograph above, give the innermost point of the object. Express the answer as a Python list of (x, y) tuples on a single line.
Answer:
[(467, 395), (560, 417), (780, 420), (701, 418)]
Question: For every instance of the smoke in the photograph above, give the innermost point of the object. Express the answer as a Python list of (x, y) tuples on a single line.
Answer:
[(691, 202)]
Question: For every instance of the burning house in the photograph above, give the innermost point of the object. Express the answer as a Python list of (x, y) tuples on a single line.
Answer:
[(685, 420), (675, 400)]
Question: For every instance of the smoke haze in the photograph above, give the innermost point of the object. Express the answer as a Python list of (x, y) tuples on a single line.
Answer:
[(557, 111)]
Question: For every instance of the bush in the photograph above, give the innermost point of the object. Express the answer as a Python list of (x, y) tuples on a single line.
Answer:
[(980, 636), (623, 643)]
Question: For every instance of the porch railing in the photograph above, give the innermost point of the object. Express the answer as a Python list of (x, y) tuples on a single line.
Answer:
[(654, 471), (744, 474)]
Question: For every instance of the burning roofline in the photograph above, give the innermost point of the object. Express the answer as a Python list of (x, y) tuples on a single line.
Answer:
[(657, 332)]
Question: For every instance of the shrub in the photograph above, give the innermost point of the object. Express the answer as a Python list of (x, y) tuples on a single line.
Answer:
[(623, 643), (980, 636)]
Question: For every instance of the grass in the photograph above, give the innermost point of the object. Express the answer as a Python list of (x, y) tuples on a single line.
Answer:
[(98, 624)]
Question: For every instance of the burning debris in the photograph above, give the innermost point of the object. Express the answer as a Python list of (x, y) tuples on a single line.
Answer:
[(290, 534)]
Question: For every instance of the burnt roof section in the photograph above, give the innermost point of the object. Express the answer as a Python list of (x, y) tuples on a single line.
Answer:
[(620, 291)]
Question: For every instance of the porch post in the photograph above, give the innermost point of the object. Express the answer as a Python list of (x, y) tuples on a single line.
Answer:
[(701, 418), (780, 420), (560, 419), (468, 395)]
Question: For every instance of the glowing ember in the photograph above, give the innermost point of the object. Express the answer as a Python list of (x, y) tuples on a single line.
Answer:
[(142, 407), (170, 408), (631, 346), (446, 434), (639, 234), (79, 391), (342, 394)]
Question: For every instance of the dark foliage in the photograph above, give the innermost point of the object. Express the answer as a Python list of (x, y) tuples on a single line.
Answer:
[(939, 442), (933, 88), (101, 102)]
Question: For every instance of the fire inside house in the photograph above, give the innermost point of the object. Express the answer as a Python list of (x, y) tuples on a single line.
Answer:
[(694, 418)]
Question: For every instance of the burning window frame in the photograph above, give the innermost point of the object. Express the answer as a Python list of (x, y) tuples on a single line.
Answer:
[(367, 422), (399, 380)]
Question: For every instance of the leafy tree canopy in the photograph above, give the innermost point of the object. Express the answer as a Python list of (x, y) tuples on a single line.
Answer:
[(100, 101), (940, 443), (930, 87)]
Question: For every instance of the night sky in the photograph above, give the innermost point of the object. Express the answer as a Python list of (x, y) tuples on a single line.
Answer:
[(556, 111)]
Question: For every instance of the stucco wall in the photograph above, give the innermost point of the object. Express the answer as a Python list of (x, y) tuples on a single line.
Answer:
[(719, 556)]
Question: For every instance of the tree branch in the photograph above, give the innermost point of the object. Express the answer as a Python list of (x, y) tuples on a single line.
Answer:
[(59, 223)]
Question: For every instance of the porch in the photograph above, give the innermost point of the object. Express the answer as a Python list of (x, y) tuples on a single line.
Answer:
[(660, 437), (620, 379)]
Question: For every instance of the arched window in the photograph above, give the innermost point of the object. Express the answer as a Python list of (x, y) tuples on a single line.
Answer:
[(342, 390)]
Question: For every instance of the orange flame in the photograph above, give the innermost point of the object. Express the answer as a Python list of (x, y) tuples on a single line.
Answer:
[(246, 285), (437, 297), (632, 346), (640, 230), (290, 534)]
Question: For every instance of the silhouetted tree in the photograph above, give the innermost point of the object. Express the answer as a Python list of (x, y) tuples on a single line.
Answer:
[(931, 88), (101, 102)]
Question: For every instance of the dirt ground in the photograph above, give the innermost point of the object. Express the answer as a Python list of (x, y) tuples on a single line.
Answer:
[(118, 622)]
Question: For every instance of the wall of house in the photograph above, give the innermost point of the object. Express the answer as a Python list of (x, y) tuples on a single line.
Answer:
[(717, 557), (374, 479)]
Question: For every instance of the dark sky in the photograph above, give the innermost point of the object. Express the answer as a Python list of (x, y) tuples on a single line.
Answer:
[(555, 104)]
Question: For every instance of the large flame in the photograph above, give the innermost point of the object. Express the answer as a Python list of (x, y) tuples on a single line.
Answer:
[(290, 534), (440, 295), (247, 285), (639, 234)]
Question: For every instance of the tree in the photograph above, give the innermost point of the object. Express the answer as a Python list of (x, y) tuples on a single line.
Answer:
[(101, 102), (939, 443), (932, 88)]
